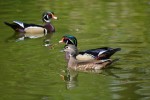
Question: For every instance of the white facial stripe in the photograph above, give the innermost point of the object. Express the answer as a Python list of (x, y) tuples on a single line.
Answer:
[(46, 18), (67, 42)]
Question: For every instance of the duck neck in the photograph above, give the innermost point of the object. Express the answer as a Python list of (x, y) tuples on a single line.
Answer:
[(50, 28), (74, 54), (72, 61), (67, 56)]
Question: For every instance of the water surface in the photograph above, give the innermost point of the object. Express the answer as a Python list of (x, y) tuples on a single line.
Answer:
[(29, 71)]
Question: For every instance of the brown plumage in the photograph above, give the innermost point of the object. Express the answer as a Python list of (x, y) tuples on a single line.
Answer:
[(85, 65)]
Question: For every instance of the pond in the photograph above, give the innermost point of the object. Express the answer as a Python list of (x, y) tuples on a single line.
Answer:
[(30, 71)]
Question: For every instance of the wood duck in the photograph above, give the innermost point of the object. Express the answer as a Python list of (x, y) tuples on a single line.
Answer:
[(84, 65), (91, 54), (25, 30)]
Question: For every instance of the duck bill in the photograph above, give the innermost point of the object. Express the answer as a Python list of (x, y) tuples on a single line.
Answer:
[(61, 41), (54, 17)]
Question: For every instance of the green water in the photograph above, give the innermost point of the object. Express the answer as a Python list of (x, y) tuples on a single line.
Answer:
[(29, 71)]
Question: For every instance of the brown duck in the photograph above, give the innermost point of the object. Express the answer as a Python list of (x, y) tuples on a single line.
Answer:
[(84, 65)]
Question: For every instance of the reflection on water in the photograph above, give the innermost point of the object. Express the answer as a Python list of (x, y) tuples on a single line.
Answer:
[(126, 83), (28, 71), (70, 78), (131, 84)]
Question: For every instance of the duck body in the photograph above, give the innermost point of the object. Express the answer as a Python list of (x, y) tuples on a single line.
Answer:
[(74, 64), (25, 30), (91, 54), (84, 65)]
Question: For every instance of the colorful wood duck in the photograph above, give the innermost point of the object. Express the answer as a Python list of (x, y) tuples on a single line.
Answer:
[(25, 30), (91, 54), (84, 65)]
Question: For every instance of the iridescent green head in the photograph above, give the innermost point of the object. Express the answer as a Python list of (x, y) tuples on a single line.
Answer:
[(69, 39)]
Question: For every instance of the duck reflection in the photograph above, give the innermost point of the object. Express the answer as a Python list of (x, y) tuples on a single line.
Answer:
[(70, 78)]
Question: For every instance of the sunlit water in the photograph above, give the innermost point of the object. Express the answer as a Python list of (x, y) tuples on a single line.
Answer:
[(29, 71)]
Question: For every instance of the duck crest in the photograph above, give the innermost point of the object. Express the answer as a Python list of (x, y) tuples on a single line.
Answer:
[(68, 39)]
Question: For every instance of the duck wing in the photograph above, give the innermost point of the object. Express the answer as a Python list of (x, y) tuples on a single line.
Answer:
[(106, 54), (25, 25), (100, 53), (20, 25)]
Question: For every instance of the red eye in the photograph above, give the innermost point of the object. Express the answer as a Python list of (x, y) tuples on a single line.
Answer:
[(50, 15)]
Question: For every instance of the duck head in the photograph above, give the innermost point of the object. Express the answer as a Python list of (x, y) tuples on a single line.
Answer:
[(71, 50), (69, 39), (47, 16)]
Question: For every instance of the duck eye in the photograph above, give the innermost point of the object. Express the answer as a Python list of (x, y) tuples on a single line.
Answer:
[(66, 47), (50, 15), (64, 39)]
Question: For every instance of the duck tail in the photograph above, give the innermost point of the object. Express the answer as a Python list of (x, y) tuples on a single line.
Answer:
[(10, 25), (112, 51), (117, 49), (13, 26), (108, 53)]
